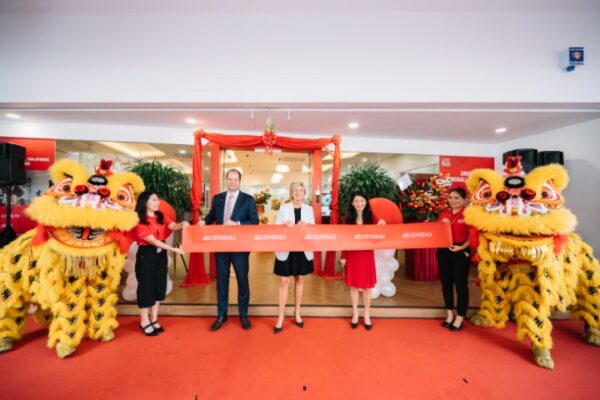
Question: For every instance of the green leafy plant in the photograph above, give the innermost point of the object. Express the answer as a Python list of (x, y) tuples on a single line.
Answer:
[(368, 178), (170, 183)]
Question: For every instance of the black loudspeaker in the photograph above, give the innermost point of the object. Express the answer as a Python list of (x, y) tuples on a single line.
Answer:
[(551, 157), (529, 158), (12, 164)]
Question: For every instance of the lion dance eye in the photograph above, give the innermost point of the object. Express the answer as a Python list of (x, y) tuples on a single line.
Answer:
[(483, 193), (550, 195), (125, 196), (62, 188)]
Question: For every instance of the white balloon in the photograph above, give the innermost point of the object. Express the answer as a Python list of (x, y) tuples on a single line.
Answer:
[(387, 254), (388, 290), (375, 292), (132, 281), (385, 276), (393, 264), (129, 294), (129, 265)]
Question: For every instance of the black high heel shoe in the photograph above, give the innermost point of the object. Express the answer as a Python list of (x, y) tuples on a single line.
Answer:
[(158, 329), (447, 324), (151, 333), (354, 325), (368, 326), (299, 324), (276, 330), (455, 328)]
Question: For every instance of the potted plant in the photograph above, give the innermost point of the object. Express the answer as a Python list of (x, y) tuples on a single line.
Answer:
[(170, 183), (368, 178)]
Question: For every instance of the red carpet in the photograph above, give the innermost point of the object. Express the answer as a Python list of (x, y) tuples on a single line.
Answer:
[(398, 359)]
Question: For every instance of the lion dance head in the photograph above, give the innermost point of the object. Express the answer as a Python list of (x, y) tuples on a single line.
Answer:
[(70, 264)]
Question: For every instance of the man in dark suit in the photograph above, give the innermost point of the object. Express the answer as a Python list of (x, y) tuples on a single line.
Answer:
[(232, 207)]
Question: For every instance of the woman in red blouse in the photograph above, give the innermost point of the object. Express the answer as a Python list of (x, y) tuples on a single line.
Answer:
[(151, 260), (454, 261)]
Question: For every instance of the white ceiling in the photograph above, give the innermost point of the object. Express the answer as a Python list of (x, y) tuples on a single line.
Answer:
[(279, 6), (473, 123)]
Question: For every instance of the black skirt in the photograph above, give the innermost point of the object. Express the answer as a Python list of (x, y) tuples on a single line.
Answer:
[(151, 274), (296, 264)]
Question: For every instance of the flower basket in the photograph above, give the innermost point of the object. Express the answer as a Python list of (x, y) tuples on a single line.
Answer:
[(425, 199)]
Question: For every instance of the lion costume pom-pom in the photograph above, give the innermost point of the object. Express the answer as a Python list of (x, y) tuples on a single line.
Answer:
[(531, 261), (70, 265)]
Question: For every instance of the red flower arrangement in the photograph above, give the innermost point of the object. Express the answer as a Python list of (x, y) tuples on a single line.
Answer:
[(425, 199)]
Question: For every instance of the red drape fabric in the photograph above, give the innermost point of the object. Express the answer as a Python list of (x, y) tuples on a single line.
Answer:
[(421, 264), (196, 272)]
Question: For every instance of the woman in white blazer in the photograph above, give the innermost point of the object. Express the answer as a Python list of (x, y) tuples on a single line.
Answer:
[(296, 263)]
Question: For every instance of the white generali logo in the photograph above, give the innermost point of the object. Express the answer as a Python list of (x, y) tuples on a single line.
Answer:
[(410, 235), (446, 162), (270, 237), (208, 238), (320, 236), (360, 236)]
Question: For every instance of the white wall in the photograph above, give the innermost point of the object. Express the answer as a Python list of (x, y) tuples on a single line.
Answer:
[(581, 147), (295, 57)]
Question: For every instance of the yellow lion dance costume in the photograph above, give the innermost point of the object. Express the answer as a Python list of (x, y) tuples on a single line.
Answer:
[(530, 261), (70, 265)]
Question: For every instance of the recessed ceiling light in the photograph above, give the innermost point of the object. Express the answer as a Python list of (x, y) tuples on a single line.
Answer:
[(13, 116), (282, 168), (190, 121), (353, 125), (501, 130), (182, 152)]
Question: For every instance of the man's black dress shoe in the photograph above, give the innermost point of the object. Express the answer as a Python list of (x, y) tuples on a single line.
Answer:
[(245, 323), (218, 322)]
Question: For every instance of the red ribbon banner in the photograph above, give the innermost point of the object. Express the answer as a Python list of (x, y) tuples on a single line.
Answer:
[(219, 238)]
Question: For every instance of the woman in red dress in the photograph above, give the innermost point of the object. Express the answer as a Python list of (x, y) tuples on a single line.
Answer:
[(151, 259), (360, 264)]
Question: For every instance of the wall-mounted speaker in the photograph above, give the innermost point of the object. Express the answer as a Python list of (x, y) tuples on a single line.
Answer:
[(529, 158), (12, 164), (551, 157)]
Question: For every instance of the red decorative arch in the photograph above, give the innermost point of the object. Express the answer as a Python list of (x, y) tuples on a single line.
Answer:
[(270, 140)]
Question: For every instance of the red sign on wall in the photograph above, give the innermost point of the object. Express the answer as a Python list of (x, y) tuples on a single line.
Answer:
[(459, 167), (20, 222), (39, 153)]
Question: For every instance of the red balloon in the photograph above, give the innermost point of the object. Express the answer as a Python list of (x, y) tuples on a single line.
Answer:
[(167, 210), (386, 210)]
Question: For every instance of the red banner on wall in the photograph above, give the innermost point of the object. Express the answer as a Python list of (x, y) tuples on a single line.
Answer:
[(20, 222), (459, 167), (219, 238), (39, 153)]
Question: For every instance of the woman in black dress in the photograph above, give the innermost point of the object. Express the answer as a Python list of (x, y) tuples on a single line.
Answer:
[(296, 263)]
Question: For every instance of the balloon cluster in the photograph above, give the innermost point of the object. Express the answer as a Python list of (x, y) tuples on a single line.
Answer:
[(385, 265), (130, 290)]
